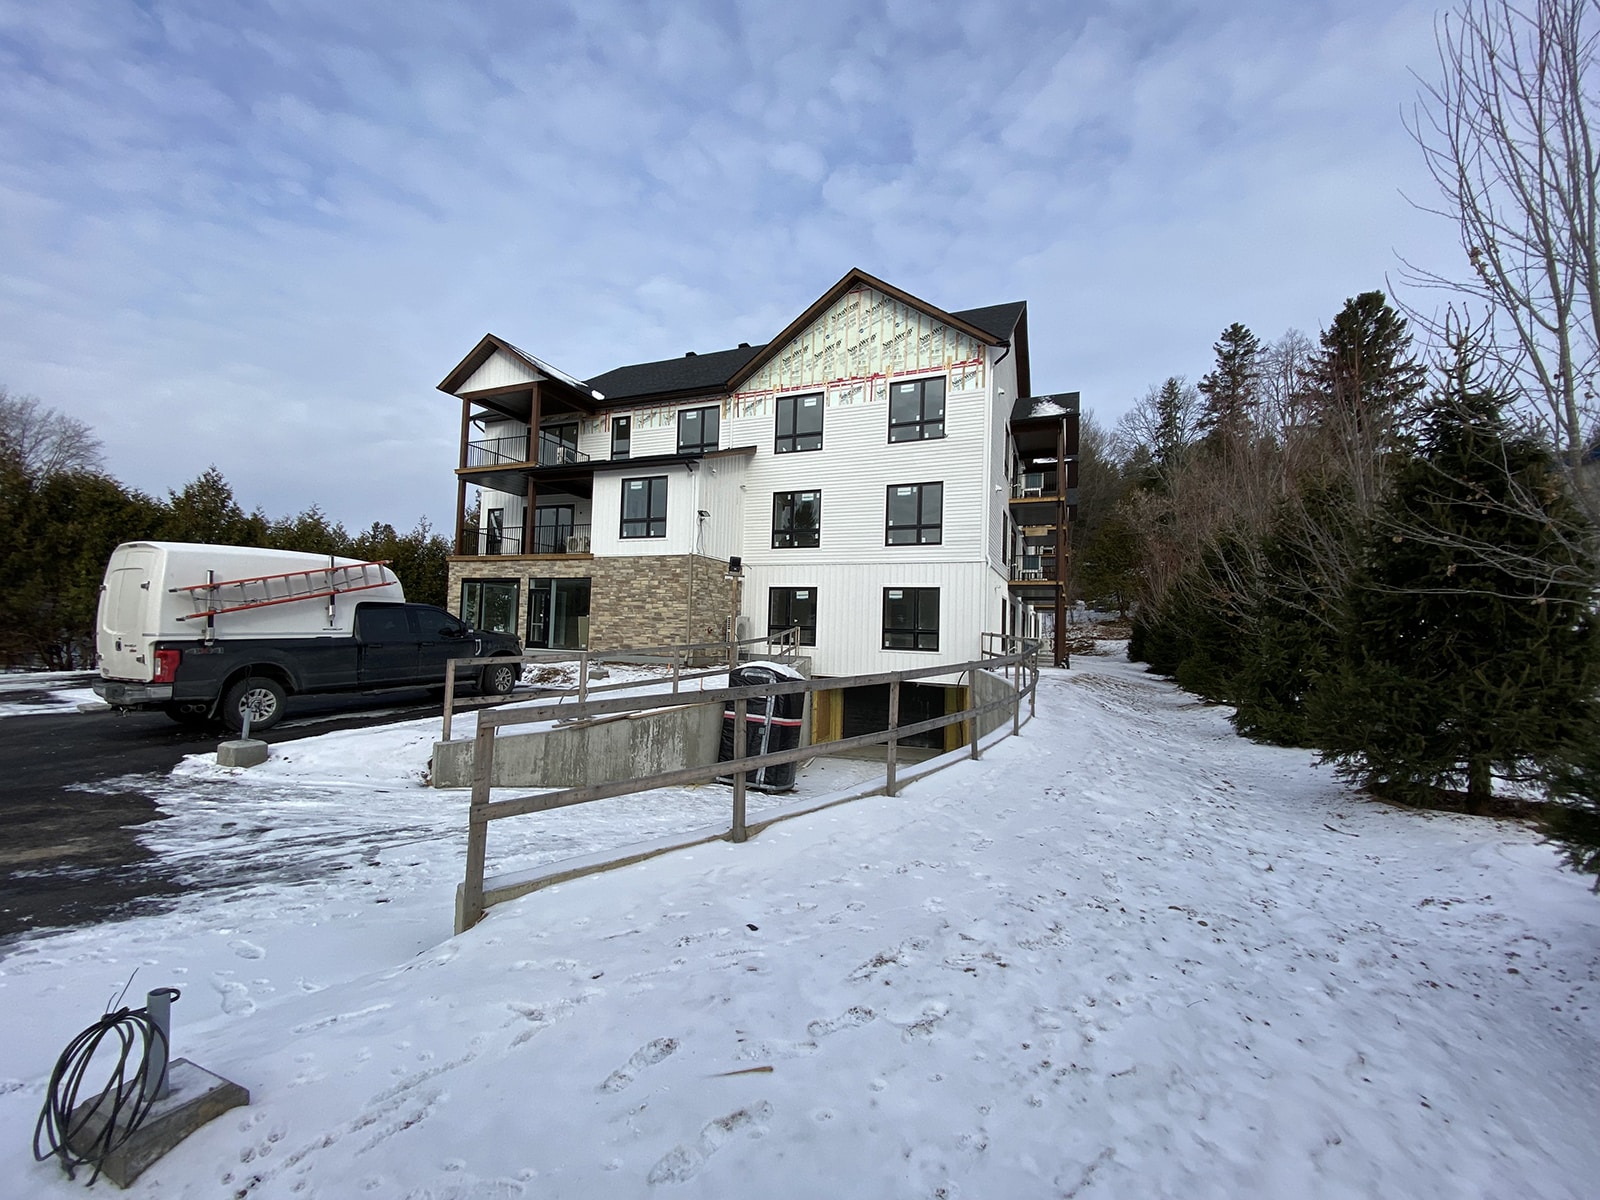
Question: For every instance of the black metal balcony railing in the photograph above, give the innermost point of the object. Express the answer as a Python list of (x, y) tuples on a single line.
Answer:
[(512, 450), (1030, 568), (556, 452), (1032, 484), (568, 538)]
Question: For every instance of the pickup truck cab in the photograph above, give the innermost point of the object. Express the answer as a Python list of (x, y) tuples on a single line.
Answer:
[(224, 648)]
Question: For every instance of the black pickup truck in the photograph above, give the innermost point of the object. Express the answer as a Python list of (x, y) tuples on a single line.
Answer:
[(393, 646)]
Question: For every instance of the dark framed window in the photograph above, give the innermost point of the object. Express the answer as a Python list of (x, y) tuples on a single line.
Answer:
[(494, 531), (621, 436), (799, 423), (552, 526), (558, 444), (558, 613), (796, 519), (698, 430), (916, 409), (791, 608), (915, 514), (644, 507), (910, 618), (490, 604)]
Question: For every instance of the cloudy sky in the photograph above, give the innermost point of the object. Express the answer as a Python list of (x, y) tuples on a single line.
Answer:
[(259, 234)]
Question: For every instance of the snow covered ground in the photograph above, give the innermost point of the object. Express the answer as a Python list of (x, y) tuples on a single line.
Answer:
[(47, 693), (1126, 954)]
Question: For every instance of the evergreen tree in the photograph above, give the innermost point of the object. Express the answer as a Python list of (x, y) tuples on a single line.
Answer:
[(1109, 565), (1365, 377), (206, 511), (1174, 410), (1230, 387), (1471, 645)]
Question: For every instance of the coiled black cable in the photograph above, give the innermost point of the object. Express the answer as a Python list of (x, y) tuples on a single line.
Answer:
[(122, 1104)]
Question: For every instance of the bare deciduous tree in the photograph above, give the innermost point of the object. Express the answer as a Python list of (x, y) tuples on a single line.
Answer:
[(43, 442), (1508, 138)]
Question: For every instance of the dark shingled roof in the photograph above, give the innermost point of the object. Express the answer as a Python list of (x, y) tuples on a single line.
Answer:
[(1067, 402), (692, 373), (997, 319)]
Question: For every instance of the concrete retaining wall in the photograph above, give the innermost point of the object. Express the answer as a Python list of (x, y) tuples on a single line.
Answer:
[(600, 751), (988, 687)]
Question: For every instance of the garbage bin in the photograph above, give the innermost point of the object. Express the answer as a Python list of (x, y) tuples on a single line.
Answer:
[(771, 723)]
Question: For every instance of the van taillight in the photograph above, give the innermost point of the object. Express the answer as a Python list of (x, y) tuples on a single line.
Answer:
[(166, 665)]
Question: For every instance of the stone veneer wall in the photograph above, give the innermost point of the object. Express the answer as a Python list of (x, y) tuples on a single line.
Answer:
[(632, 601)]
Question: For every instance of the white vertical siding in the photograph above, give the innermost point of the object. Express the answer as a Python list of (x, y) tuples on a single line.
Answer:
[(682, 521), (502, 370), (850, 611)]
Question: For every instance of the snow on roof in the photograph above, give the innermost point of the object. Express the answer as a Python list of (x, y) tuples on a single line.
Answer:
[(556, 373), (1047, 408)]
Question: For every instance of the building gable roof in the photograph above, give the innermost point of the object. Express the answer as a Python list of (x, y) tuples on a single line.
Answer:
[(718, 371), (853, 278), (489, 346)]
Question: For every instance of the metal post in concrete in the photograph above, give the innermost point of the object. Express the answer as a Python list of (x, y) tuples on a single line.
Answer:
[(158, 1006)]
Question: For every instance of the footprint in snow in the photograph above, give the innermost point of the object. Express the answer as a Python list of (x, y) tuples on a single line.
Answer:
[(851, 1017), (647, 1055), (235, 996), (246, 949), (685, 1162)]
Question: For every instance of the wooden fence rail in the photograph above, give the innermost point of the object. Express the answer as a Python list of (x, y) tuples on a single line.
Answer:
[(1018, 668), (780, 647)]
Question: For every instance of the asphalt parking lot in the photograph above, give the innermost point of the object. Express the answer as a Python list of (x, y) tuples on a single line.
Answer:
[(73, 794)]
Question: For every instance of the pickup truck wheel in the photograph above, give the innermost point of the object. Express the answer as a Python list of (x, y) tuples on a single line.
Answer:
[(263, 698), (498, 679)]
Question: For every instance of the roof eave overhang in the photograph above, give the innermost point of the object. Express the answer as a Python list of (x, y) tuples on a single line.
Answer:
[(486, 348)]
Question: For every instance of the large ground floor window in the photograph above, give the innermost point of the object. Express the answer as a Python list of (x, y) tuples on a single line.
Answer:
[(490, 604), (558, 614), (910, 618), (793, 608)]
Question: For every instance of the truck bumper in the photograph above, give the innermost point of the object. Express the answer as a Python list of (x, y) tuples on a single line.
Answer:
[(120, 693)]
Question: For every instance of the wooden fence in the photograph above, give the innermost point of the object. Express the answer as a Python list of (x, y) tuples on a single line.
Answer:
[(778, 647), (1018, 667)]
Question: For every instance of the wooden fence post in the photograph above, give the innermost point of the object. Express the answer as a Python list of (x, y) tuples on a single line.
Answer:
[(972, 722), (740, 744), (449, 696), (477, 824), (894, 740)]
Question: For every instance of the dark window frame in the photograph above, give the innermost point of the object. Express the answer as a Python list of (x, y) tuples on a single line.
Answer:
[(653, 526), (919, 527), (473, 614), (923, 427), (702, 446), (625, 426), (777, 623), (548, 586), (788, 537), (922, 632), (789, 437)]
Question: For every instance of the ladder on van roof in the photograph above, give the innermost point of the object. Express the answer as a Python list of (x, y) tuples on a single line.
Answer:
[(262, 591)]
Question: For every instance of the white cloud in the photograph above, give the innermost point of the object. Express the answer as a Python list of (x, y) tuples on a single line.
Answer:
[(259, 236)]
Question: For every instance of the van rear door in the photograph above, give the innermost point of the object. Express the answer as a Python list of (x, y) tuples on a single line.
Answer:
[(126, 615)]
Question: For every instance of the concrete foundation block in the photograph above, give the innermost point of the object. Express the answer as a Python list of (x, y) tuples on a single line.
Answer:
[(194, 1097), (241, 752)]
